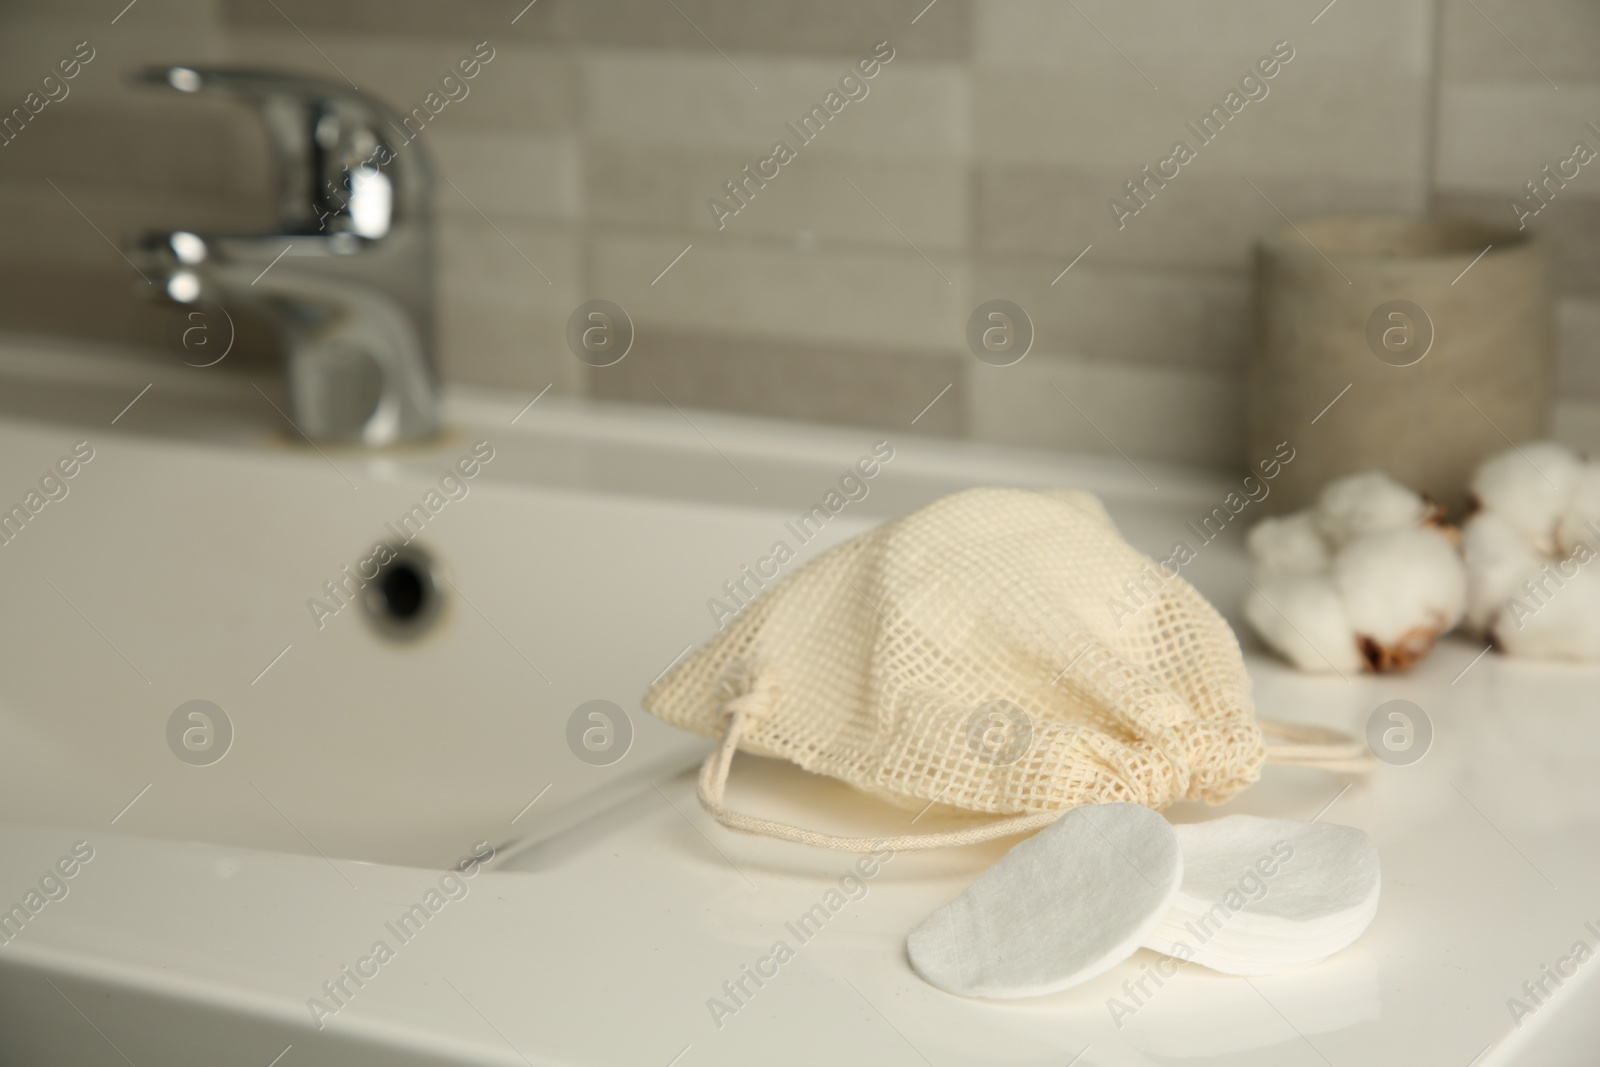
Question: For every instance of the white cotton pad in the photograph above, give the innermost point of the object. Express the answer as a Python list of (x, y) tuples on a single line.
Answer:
[(1069, 903), (1266, 895)]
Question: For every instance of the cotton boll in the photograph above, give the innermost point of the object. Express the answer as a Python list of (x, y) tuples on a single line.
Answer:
[(1561, 623), (1401, 590), (1531, 487), (1367, 503), (1302, 618), (1498, 559), (1581, 523), (1289, 545)]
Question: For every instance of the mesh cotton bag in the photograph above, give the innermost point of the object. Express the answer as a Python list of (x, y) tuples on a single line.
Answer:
[(966, 654)]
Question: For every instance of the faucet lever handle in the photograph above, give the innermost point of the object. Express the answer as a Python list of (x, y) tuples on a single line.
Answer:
[(338, 164)]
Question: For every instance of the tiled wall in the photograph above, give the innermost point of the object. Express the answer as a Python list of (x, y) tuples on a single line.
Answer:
[(978, 165), (1507, 112)]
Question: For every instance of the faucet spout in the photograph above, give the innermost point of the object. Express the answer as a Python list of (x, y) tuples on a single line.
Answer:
[(347, 274)]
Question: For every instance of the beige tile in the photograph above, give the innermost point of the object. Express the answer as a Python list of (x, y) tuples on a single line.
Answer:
[(38, 34), (1025, 115), (1187, 416), (1554, 39), (531, 88), (504, 345), (91, 301), (1577, 425), (1198, 220), (159, 144), (501, 323), (509, 261), (1495, 137), (97, 303), (809, 201), (1129, 315), (546, 20), (1315, 121), (791, 379), (1571, 223), (1578, 326), (1073, 84), (42, 226), (103, 128), (859, 295), (507, 175), (843, 30), (1183, 46), (698, 99)]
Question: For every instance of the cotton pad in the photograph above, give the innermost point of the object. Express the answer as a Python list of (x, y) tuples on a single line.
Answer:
[(1065, 905), (1266, 895)]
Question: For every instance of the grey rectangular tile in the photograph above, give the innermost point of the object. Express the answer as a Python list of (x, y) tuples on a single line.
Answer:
[(507, 174), (546, 20), (840, 29), (1571, 223), (1139, 412), (97, 303), (1503, 40), (842, 384), (1185, 47), (861, 296), (1197, 220), (1577, 425), (697, 99), (1496, 137), (1129, 315), (1578, 329), (505, 345), (1313, 120), (42, 226), (529, 88), (815, 199), (157, 144)]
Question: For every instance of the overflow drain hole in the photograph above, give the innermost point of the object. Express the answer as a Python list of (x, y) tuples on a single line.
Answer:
[(404, 598)]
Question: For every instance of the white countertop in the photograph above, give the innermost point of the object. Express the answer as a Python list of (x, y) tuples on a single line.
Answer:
[(600, 939)]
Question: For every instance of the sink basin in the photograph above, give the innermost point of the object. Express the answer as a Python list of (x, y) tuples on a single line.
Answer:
[(243, 866)]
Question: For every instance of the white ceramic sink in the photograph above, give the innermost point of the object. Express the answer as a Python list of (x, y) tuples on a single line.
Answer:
[(577, 566)]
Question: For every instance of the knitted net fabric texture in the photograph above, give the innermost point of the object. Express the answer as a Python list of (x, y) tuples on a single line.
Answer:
[(969, 654)]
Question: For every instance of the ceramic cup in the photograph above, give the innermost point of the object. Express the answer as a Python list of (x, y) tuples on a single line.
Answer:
[(1418, 346)]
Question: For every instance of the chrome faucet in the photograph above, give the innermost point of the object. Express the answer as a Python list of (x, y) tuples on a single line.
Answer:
[(347, 276)]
